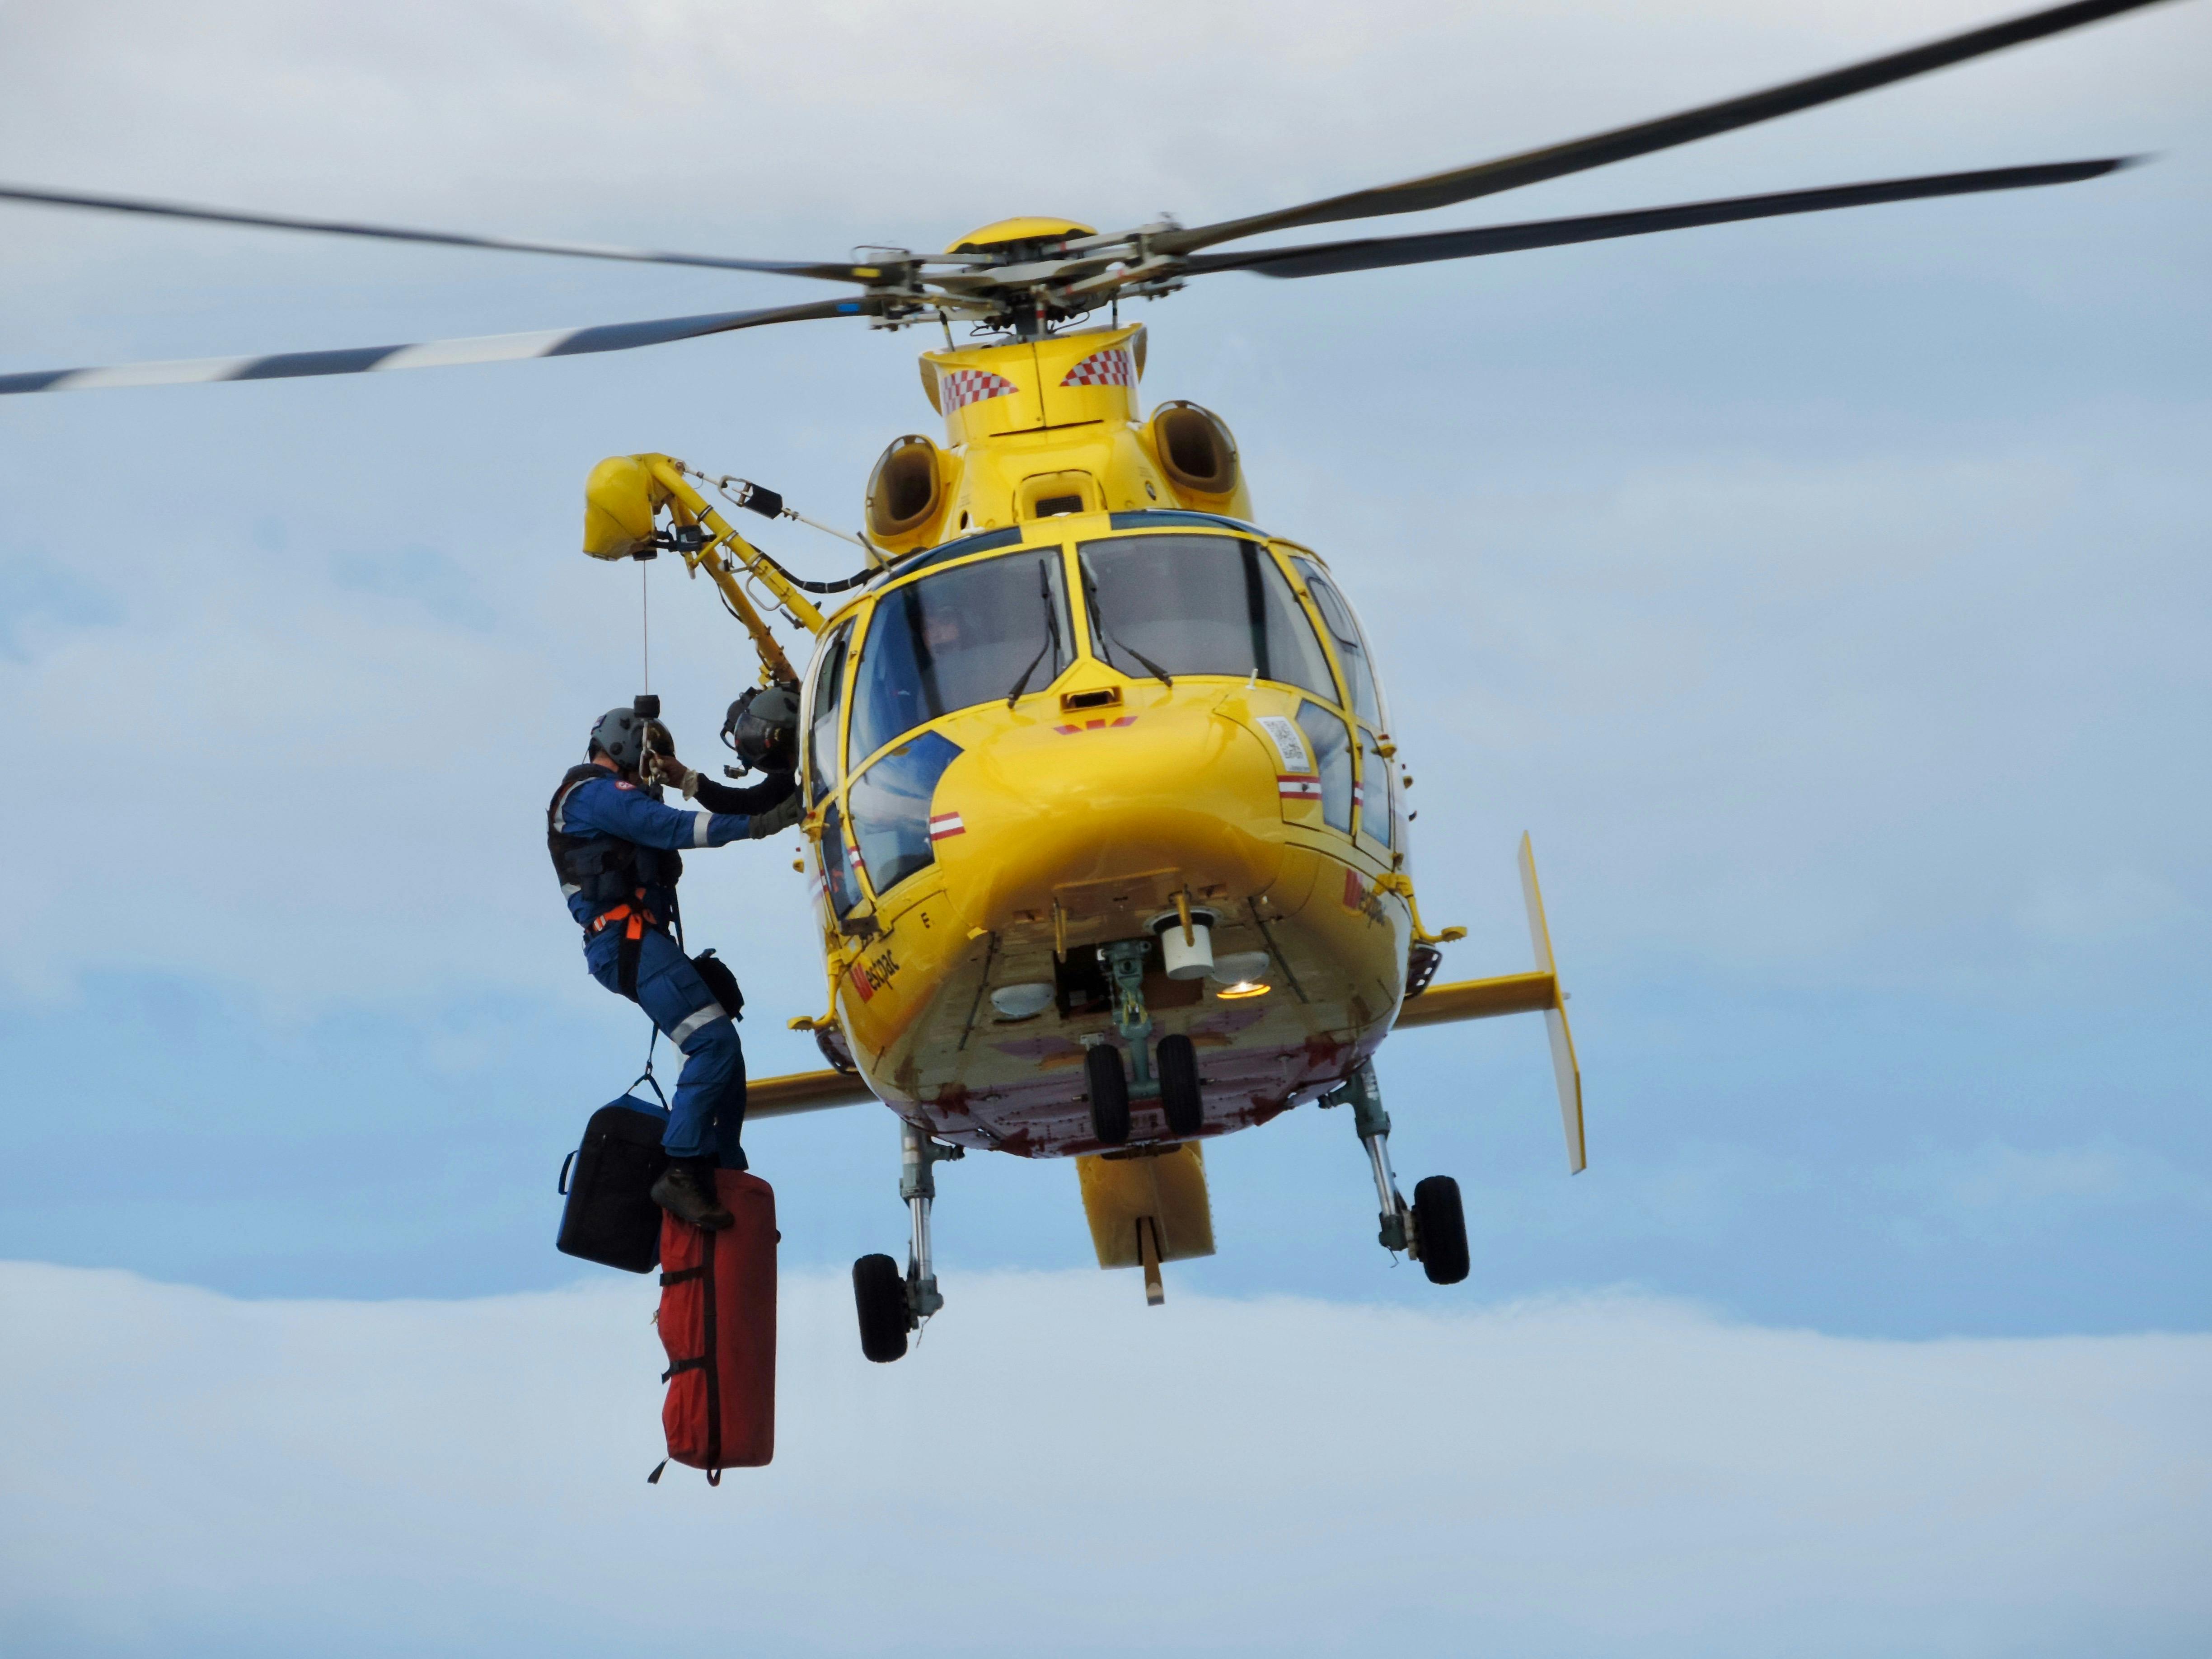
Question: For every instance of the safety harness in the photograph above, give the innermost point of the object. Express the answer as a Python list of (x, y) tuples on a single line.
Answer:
[(605, 868)]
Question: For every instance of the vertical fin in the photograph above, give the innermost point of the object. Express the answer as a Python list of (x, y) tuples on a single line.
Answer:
[(1563, 1068)]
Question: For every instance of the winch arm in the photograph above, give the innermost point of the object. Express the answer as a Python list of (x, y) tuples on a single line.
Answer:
[(688, 504), (623, 500)]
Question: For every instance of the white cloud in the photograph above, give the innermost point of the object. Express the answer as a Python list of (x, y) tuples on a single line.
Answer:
[(1059, 1470)]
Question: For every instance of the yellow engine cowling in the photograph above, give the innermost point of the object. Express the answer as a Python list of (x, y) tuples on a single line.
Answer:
[(911, 495), (1196, 454)]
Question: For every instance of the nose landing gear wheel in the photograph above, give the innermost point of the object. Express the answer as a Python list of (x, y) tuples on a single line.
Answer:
[(1109, 1093), (1440, 1225), (879, 1293), (1179, 1096)]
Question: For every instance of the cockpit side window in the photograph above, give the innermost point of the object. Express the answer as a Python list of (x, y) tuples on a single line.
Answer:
[(837, 861), (1197, 604), (1373, 792), (987, 632), (1351, 643), (890, 804), (1332, 751), (825, 699)]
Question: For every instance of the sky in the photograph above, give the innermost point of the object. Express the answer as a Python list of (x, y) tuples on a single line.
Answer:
[(1827, 598)]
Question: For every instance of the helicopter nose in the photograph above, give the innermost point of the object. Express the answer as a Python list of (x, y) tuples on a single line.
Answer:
[(1161, 797)]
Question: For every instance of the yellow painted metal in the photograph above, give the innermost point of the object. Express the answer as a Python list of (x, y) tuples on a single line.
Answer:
[(803, 1091), (1566, 1072), (1027, 228), (791, 598), (1166, 1189), (1031, 422), (620, 500), (1481, 999), (1087, 806), (1081, 827)]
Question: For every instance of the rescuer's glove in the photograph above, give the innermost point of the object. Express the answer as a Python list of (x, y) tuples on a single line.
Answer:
[(782, 816), (666, 768)]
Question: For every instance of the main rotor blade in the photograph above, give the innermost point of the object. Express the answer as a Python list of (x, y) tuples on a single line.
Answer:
[(832, 272), (435, 354), (1376, 252), (1601, 150)]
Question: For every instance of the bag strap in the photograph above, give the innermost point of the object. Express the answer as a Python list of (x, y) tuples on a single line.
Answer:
[(713, 1371), (647, 1077)]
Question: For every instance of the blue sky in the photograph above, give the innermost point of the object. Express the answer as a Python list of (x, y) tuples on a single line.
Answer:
[(1828, 598)]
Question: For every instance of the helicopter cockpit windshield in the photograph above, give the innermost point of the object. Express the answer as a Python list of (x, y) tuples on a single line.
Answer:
[(1197, 604), (975, 634)]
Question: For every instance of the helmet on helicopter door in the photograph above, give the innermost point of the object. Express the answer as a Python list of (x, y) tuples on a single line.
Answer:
[(762, 727)]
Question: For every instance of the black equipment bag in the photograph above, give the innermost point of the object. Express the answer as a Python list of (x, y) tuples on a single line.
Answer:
[(720, 982), (610, 1217)]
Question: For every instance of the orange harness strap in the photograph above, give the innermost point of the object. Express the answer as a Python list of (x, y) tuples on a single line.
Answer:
[(637, 919)]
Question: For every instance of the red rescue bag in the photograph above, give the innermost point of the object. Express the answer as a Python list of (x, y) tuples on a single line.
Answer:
[(718, 1323)]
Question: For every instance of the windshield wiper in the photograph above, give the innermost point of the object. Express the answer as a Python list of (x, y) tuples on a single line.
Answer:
[(1099, 620), (1052, 634)]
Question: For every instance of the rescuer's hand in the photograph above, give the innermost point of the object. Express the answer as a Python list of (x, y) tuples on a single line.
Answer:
[(666, 768), (779, 816)]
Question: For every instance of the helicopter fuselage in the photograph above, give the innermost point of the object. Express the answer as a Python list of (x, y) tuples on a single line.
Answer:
[(1112, 707)]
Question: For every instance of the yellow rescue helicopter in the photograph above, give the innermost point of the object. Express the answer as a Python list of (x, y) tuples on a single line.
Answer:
[(1106, 816)]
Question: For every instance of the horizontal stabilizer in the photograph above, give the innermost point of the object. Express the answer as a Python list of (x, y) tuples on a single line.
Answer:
[(803, 1091), (1481, 999)]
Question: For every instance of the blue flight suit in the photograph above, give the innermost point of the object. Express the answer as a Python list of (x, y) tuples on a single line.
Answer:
[(710, 1094)]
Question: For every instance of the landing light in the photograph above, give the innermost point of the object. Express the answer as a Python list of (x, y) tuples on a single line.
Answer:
[(1245, 987)]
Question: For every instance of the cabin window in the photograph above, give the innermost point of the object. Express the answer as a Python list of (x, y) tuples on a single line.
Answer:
[(1374, 791), (824, 701), (1332, 749), (1197, 604), (983, 633), (1350, 644), (890, 805), (837, 876)]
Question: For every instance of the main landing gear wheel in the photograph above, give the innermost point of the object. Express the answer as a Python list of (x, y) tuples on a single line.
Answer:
[(879, 1293), (1432, 1229), (1109, 1093), (1440, 1225), (1179, 1096)]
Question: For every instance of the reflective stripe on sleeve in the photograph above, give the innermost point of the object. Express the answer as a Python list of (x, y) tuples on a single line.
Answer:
[(702, 822), (706, 1016)]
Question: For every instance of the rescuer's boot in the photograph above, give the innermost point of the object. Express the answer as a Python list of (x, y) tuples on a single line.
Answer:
[(686, 1191)]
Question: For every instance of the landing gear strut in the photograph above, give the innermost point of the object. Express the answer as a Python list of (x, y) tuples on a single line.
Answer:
[(1114, 1083), (889, 1305), (1432, 1229)]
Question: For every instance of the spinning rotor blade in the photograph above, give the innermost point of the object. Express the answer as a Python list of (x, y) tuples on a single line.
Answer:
[(1601, 150), (1376, 252), (836, 273), (435, 354)]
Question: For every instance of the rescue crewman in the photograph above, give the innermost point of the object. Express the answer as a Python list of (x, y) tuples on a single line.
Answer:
[(614, 846)]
